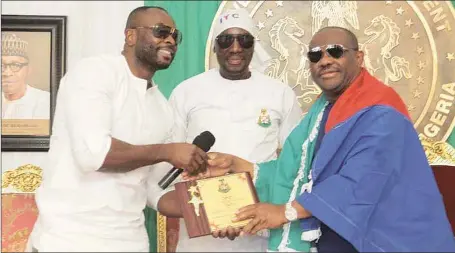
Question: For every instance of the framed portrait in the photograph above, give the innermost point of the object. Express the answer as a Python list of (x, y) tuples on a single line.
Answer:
[(33, 62)]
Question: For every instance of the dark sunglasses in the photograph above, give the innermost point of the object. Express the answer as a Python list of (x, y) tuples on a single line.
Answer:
[(226, 40), (162, 31), (333, 50)]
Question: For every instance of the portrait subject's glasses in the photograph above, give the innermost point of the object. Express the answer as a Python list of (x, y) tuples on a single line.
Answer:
[(333, 50), (14, 66), (226, 40), (162, 31)]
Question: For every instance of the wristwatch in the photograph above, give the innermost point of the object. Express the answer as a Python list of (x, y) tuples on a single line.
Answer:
[(290, 213)]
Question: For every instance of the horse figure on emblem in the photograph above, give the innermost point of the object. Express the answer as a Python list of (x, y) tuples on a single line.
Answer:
[(287, 67), (383, 31)]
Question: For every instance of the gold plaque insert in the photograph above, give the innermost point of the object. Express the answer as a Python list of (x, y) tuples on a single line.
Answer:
[(222, 197)]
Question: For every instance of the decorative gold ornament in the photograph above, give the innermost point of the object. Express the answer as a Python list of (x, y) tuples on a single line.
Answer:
[(161, 227), (26, 178), (438, 152)]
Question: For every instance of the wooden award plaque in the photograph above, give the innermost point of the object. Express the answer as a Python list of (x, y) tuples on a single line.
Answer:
[(210, 204)]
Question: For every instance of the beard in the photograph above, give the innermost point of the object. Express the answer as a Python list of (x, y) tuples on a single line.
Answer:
[(147, 56)]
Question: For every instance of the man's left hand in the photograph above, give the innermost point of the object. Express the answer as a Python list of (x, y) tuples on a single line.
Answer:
[(229, 232), (264, 216)]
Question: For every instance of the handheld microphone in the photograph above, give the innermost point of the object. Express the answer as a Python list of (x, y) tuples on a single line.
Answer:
[(204, 141)]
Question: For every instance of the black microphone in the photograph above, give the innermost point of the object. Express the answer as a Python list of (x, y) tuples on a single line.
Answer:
[(204, 141)]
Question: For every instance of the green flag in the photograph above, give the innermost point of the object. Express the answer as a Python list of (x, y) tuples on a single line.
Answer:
[(194, 19)]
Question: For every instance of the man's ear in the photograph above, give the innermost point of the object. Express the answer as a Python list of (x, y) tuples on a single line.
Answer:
[(130, 37), (359, 58)]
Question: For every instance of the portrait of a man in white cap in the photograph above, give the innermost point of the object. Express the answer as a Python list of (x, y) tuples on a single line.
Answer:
[(19, 99)]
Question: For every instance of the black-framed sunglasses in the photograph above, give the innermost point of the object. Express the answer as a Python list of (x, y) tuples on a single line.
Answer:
[(162, 31), (333, 50), (226, 40)]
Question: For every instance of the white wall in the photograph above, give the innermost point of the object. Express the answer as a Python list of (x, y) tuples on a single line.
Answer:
[(93, 27)]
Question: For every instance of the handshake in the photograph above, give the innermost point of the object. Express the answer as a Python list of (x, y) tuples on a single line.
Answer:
[(191, 157), (219, 164), (194, 160)]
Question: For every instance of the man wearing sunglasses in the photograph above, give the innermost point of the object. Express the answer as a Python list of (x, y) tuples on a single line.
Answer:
[(112, 129), (249, 113), (352, 176)]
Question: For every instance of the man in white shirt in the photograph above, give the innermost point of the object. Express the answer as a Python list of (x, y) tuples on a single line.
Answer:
[(111, 123), (249, 113), (20, 100)]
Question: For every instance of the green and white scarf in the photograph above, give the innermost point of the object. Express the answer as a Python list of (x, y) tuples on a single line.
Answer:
[(284, 179)]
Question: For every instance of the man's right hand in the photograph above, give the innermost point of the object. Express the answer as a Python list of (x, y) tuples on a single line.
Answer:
[(218, 164), (186, 156)]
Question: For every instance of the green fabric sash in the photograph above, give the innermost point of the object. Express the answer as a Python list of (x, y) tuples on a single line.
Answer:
[(282, 180)]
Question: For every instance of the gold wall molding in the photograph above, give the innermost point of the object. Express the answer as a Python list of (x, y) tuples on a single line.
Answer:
[(25, 178), (161, 240), (438, 152)]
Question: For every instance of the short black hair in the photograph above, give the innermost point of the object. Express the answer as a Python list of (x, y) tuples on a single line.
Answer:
[(132, 17), (351, 36)]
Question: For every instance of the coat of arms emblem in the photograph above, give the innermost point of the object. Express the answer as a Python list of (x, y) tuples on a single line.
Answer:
[(223, 187), (264, 118)]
